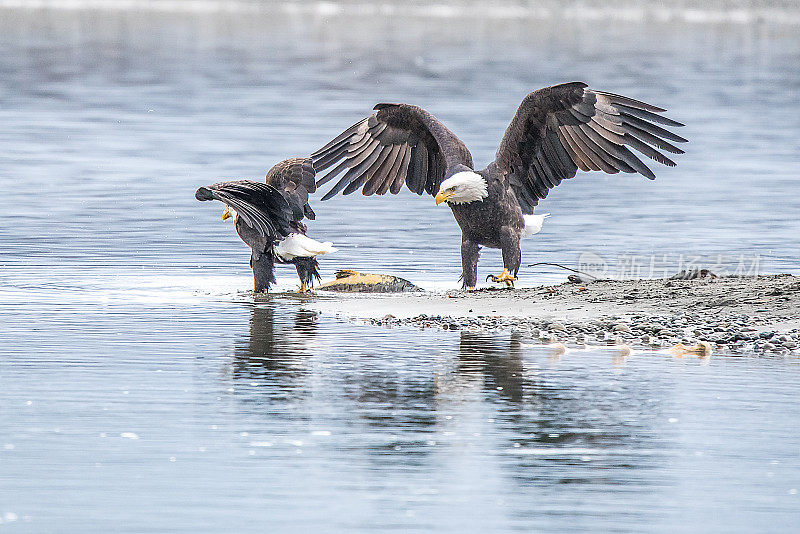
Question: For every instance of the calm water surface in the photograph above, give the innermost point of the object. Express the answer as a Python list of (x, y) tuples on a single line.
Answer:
[(142, 388)]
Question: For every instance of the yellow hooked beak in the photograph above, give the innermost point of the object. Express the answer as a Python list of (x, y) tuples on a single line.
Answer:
[(226, 213), (441, 196)]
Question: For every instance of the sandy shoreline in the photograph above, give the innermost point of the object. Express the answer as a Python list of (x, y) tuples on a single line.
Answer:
[(736, 314)]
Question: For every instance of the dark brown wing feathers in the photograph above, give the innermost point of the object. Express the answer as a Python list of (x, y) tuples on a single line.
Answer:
[(263, 207), (560, 129), (397, 144), (295, 177)]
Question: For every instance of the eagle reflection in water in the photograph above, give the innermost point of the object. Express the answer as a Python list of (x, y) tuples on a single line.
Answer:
[(497, 360), (277, 346)]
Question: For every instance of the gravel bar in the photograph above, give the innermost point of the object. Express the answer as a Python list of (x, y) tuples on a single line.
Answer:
[(735, 315)]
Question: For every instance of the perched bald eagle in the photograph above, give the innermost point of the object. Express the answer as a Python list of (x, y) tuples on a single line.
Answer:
[(268, 218), (555, 131)]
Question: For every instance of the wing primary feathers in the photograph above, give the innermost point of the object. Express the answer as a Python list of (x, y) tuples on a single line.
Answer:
[(355, 184), (398, 160), (383, 172), (329, 158), (596, 163), (648, 151), (612, 123), (635, 163), (611, 136), (584, 135), (652, 139), (648, 116), (603, 159), (626, 101), (339, 138), (386, 173), (368, 154), (355, 147), (341, 184), (652, 129), (332, 174), (606, 146), (364, 174), (364, 160)]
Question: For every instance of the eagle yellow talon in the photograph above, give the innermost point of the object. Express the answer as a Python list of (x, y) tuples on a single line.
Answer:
[(505, 276), (303, 288)]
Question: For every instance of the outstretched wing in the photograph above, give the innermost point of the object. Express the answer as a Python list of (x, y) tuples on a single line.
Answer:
[(560, 129), (261, 206), (295, 177), (400, 143)]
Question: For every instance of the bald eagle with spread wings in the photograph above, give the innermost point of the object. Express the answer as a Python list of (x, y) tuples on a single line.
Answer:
[(555, 131), (268, 216)]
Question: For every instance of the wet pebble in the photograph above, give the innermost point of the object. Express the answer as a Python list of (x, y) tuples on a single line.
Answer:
[(733, 334)]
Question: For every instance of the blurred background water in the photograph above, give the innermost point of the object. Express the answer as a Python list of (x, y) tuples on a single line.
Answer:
[(143, 388)]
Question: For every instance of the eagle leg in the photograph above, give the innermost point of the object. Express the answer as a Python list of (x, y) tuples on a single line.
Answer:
[(469, 263), (307, 271), (263, 276), (512, 256)]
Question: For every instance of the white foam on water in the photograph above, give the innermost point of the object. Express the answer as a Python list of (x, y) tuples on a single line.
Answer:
[(107, 287)]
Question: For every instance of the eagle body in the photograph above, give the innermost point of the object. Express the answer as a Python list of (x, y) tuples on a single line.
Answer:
[(268, 218), (554, 132), (484, 221), (494, 222)]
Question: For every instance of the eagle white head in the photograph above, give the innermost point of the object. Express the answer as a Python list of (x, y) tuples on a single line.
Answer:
[(229, 212), (463, 187)]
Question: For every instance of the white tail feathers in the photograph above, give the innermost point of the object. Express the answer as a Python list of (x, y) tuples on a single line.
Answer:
[(298, 245), (533, 224)]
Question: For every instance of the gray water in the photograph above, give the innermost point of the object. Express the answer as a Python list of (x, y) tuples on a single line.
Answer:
[(143, 388)]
